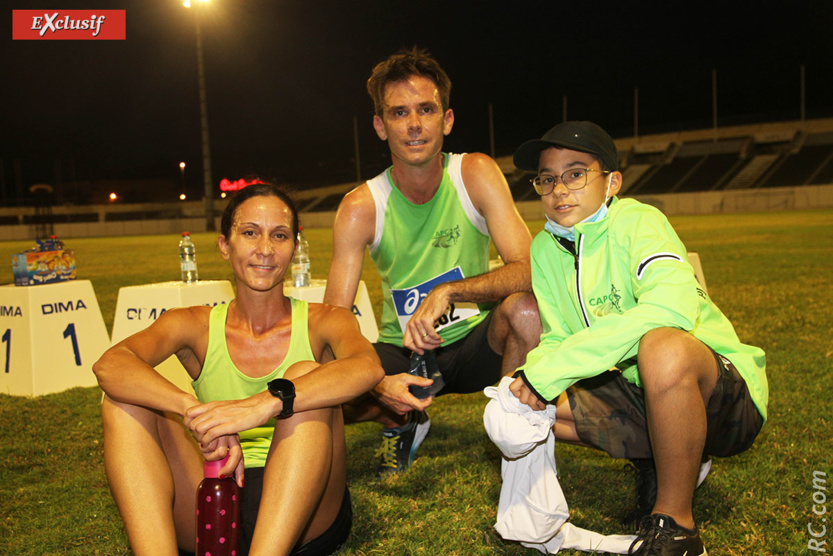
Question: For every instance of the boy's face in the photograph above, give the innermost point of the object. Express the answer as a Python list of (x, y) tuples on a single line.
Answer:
[(413, 121), (568, 207)]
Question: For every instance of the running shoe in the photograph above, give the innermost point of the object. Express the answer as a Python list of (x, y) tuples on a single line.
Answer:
[(399, 445), (659, 535), (645, 479)]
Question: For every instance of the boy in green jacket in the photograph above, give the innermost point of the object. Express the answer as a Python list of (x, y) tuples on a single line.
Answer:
[(638, 360)]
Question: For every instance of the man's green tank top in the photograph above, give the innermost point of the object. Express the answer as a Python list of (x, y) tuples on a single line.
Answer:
[(416, 247), (221, 380)]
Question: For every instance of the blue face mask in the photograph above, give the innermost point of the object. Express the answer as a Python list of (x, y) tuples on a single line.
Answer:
[(569, 233)]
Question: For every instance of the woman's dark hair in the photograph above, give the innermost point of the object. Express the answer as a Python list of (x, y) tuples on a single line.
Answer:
[(257, 190)]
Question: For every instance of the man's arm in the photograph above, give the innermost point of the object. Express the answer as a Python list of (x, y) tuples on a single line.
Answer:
[(353, 230), (489, 192)]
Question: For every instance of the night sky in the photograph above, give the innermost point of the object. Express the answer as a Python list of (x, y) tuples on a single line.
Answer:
[(286, 78)]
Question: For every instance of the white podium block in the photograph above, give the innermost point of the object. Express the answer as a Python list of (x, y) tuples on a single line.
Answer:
[(138, 306), (50, 336), (314, 293)]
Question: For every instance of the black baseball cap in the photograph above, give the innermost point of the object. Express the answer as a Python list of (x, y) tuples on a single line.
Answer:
[(584, 137)]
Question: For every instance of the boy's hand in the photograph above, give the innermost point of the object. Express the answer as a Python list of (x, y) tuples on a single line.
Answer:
[(525, 395)]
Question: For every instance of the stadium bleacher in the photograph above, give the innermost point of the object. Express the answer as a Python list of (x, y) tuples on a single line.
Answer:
[(752, 157), (783, 154)]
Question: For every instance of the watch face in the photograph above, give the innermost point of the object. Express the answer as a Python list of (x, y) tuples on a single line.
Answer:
[(281, 388), (284, 390)]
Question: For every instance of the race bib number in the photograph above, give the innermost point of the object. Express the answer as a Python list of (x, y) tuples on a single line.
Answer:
[(406, 301)]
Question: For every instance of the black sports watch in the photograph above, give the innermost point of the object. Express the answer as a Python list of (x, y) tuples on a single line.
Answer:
[(284, 390)]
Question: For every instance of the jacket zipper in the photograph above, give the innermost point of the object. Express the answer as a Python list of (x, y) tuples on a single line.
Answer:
[(579, 245), (574, 248)]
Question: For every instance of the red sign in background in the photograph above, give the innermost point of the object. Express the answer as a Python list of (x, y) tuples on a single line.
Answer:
[(68, 25)]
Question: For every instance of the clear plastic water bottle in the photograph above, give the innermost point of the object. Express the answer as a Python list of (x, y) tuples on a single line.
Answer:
[(188, 259), (218, 512), (425, 366), (300, 264)]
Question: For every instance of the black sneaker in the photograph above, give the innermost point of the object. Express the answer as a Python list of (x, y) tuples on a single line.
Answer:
[(659, 535), (645, 478), (399, 445)]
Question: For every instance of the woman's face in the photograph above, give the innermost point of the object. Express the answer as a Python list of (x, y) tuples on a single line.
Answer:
[(261, 246)]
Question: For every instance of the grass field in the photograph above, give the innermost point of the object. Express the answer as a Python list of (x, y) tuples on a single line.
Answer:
[(770, 273)]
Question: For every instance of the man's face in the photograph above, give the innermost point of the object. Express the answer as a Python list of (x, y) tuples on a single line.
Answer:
[(568, 207), (413, 121)]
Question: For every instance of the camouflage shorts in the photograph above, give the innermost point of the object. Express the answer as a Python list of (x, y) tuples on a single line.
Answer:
[(609, 414)]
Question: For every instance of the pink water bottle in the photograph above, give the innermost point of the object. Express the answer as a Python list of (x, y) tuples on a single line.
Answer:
[(218, 513)]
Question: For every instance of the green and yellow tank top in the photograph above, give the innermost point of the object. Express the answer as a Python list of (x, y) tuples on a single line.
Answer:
[(221, 380), (416, 247)]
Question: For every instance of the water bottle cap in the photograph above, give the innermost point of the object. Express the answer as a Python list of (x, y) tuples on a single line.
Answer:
[(186, 234), (211, 469)]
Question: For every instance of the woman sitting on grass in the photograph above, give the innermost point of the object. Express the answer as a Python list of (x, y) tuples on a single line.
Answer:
[(156, 435)]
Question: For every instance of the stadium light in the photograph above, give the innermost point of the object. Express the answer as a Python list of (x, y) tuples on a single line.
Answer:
[(206, 150)]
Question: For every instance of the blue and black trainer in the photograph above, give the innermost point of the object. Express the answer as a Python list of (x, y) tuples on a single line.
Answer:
[(399, 445)]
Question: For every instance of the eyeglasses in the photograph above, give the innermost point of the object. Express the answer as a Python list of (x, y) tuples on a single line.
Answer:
[(573, 179)]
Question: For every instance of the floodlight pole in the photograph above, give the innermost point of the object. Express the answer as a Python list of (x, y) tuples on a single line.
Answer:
[(803, 90), (356, 149), (206, 149), (714, 102), (636, 112), (491, 132)]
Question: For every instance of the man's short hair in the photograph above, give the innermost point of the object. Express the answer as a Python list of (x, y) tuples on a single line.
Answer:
[(402, 65)]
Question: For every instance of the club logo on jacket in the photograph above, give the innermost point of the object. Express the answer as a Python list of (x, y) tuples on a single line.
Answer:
[(615, 297), (607, 303), (446, 238)]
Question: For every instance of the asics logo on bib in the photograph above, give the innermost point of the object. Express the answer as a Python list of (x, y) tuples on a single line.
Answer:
[(406, 301)]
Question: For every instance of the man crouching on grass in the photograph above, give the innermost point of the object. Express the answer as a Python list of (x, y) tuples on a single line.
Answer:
[(615, 291)]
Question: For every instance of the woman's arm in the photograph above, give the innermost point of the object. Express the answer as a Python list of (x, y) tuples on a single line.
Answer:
[(126, 371), (354, 370)]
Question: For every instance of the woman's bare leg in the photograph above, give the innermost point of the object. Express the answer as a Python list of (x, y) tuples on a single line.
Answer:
[(303, 482), (153, 466)]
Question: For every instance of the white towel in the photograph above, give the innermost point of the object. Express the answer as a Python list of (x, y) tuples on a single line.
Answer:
[(532, 508)]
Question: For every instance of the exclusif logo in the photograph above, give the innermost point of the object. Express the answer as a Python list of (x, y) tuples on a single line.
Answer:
[(68, 25)]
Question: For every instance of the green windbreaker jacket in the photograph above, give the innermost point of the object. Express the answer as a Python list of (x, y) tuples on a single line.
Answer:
[(629, 274)]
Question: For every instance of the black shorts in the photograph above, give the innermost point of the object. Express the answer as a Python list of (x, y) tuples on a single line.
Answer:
[(468, 365), (326, 543), (609, 413)]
